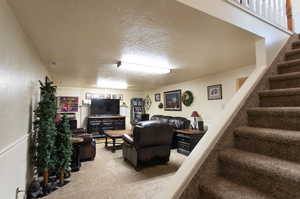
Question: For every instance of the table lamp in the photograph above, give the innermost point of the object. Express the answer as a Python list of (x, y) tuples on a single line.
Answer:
[(195, 115)]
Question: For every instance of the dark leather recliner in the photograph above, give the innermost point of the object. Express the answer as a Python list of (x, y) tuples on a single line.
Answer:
[(150, 144), (175, 122)]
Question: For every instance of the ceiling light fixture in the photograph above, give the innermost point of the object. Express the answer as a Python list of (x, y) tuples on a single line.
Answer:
[(142, 68), (116, 84)]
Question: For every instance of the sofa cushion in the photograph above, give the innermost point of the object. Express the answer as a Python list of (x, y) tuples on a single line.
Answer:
[(156, 117), (175, 122)]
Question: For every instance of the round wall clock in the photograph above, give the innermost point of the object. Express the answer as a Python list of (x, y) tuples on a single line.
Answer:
[(187, 98)]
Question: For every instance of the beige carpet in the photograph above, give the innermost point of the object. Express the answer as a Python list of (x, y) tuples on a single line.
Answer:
[(110, 177)]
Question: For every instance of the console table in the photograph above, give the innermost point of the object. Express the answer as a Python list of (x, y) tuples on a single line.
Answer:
[(96, 125), (187, 139)]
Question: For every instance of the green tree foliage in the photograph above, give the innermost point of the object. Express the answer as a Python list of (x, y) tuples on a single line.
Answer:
[(63, 144), (44, 127)]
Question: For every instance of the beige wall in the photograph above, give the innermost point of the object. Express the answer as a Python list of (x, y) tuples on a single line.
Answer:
[(209, 109), (274, 38), (84, 109), (20, 68)]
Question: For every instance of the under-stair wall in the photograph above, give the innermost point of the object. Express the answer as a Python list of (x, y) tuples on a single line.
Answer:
[(210, 167)]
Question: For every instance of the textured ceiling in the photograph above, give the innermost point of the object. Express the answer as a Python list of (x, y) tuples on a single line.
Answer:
[(86, 37)]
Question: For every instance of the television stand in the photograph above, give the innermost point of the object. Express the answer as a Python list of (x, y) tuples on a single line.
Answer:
[(96, 125)]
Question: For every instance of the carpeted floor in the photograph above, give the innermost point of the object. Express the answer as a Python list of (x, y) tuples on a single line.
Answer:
[(110, 177)]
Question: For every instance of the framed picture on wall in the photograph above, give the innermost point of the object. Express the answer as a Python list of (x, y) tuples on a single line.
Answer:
[(214, 92), (157, 97), (114, 96), (68, 104), (172, 100)]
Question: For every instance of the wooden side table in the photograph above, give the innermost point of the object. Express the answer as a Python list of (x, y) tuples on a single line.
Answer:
[(187, 139), (75, 162)]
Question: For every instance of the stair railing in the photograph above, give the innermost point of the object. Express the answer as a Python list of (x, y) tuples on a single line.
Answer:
[(271, 11)]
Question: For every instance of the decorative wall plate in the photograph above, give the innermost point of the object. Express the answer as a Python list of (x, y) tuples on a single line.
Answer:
[(187, 98)]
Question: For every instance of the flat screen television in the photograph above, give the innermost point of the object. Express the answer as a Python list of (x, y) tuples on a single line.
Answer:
[(105, 107)]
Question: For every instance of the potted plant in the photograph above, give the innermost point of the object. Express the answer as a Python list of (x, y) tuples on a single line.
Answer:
[(45, 130), (63, 147)]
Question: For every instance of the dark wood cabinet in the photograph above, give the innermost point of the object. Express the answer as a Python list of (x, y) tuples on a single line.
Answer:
[(187, 140), (98, 124)]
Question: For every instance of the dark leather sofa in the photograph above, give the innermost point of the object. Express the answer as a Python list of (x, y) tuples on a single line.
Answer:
[(150, 144), (175, 122)]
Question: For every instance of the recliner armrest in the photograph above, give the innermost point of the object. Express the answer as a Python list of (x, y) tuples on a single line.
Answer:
[(128, 139)]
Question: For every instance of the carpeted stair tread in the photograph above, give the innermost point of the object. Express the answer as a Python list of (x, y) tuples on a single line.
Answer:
[(284, 97), (289, 63), (265, 166), (292, 54), (295, 111), (286, 76), (287, 118), (287, 79), (280, 92), (296, 44), (293, 51), (271, 135), (221, 188)]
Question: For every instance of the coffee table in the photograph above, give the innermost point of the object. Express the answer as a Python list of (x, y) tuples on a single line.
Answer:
[(115, 134)]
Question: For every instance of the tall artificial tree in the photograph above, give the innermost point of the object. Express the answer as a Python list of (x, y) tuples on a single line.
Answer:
[(63, 147), (45, 129)]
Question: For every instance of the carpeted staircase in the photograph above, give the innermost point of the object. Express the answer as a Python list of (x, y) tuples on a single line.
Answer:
[(265, 160)]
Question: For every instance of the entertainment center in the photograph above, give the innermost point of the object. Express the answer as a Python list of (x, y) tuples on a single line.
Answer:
[(105, 115)]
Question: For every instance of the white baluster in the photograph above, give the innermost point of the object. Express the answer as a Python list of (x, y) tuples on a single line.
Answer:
[(252, 6), (272, 13), (284, 14), (238, 1), (264, 8), (245, 3), (268, 9), (278, 12), (259, 7)]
